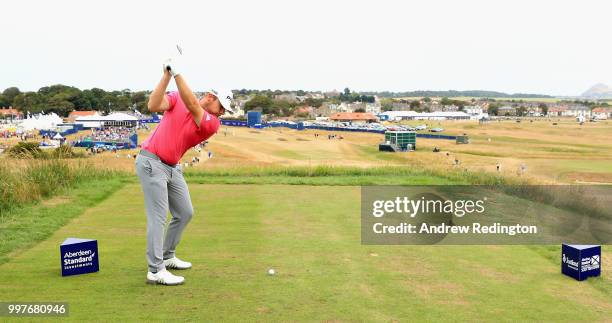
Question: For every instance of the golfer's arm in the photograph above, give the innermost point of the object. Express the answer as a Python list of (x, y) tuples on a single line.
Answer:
[(190, 100), (157, 100)]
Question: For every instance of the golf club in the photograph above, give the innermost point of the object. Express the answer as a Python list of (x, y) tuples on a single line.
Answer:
[(180, 50)]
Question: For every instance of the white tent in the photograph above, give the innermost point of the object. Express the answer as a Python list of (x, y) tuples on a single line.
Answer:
[(41, 122), (120, 119), (96, 121), (120, 116), (92, 121), (58, 136)]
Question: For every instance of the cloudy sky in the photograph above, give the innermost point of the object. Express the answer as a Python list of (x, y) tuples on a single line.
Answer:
[(549, 47)]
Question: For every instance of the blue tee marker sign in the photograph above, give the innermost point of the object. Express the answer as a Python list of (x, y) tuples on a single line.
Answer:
[(581, 261), (79, 256)]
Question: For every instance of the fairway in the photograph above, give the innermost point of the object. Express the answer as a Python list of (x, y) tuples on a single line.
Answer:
[(311, 236), (564, 153)]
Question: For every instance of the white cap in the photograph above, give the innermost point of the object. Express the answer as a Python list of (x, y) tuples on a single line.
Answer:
[(225, 98)]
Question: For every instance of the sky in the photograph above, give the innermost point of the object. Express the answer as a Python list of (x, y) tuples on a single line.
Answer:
[(536, 46)]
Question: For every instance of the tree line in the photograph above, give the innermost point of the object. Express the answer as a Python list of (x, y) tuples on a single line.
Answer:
[(282, 108), (62, 99), (348, 96)]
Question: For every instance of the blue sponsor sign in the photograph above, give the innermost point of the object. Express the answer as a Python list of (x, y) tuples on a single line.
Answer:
[(253, 118), (79, 256), (581, 261)]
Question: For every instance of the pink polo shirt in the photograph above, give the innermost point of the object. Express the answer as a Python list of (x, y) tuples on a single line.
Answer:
[(177, 131)]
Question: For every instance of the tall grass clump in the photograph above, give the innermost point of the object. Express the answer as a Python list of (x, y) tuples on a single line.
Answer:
[(31, 150), (26, 150), (26, 181)]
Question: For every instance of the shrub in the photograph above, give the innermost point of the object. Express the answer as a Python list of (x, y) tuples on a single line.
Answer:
[(66, 151), (29, 150)]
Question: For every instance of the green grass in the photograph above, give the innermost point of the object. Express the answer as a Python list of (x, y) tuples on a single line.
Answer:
[(410, 174), (311, 236), (517, 140), (25, 222), (23, 227), (595, 166)]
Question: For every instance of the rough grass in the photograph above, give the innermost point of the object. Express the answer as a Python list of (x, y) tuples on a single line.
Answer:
[(321, 175), (26, 181), (31, 150)]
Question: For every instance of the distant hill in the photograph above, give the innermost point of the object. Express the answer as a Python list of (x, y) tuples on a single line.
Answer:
[(598, 91), (453, 93)]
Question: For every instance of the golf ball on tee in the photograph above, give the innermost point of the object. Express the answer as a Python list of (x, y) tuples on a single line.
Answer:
[(271, 272)]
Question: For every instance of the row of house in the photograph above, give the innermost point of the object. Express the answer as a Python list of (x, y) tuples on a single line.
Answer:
[(512, 109), (557, 110), (327, 109), (602, 113), (363, 117), (10, 113), (569, 111), (436, 115), (293, 97), (469, 112)]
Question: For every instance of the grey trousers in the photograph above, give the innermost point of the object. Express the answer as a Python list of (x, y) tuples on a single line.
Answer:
[(164, 188)]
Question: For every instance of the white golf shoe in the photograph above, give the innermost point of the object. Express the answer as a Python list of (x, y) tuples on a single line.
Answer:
[(164, 277), (175, 263)]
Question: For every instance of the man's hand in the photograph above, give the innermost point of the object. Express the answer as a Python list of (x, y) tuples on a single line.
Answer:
[(166, 68), (173, 66), (157, 100)]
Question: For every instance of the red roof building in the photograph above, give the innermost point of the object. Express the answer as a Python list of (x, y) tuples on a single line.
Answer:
[(8, 113), (556, 111), (602, 113)]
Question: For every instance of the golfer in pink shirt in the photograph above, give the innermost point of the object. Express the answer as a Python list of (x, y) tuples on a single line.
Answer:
[(187, 122)]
